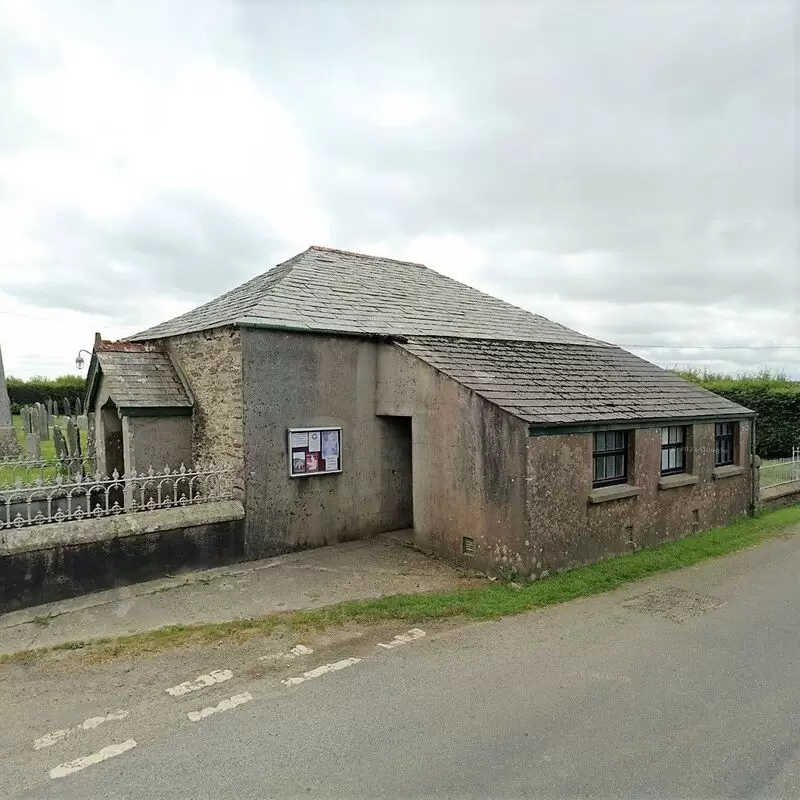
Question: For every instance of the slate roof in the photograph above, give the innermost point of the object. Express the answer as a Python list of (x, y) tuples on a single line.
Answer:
[(536, 369), (556, 384), (136, 377), (333, 290)]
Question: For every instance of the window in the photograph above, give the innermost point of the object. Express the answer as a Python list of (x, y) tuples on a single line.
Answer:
[(724, 443), (673, 450), (610, 458)]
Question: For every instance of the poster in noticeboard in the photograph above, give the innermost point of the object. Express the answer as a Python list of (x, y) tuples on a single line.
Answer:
[(314, 451)]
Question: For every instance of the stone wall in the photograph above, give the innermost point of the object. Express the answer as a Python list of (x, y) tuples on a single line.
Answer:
[(211, 365), (569, 523), (45, 563)]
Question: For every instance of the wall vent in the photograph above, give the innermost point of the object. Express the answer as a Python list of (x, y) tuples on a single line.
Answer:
[(467, 545), (696, 519)]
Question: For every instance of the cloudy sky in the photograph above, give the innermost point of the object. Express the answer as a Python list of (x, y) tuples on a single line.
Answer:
[(626, 168)]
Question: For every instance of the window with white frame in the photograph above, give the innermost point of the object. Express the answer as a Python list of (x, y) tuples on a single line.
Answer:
[(724, 444), (673, 450), (610, 458)]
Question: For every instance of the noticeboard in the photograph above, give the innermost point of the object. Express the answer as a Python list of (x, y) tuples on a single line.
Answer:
[(314, 451)]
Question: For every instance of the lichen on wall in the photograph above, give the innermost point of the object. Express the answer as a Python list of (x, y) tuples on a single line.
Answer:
[(211, 364)]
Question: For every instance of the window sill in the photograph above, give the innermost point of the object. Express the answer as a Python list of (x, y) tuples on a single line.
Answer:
[(729, 471), (617, 492), (674, 481)]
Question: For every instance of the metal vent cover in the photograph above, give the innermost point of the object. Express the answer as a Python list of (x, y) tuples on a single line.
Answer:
[(467, 545)]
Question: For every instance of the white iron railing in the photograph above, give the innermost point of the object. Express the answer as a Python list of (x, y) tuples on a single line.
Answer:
[(782, 470), (60, 498), (28, 470)]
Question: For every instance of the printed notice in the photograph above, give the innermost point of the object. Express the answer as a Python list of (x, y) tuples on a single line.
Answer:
[(299, 461), (312, 462), (314, 442), (331, 464), (298, 440), (330, 445)]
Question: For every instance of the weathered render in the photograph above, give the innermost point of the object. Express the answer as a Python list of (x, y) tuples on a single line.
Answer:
[(462, 415), (570, 523)]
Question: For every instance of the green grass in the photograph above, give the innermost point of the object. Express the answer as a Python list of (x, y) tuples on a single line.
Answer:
[(485, 602), (48, 451)]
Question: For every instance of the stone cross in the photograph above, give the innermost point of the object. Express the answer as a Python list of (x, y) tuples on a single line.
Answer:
[(8, 437)]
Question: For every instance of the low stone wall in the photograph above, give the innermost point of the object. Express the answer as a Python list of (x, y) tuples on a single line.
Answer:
[(52, 562), (786, 494)]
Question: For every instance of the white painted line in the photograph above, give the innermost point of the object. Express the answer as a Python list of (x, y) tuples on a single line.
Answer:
[(319, 671), (62, 770), (403, 638), (201, 682), (297, 651), (48, 740), (225, 705)]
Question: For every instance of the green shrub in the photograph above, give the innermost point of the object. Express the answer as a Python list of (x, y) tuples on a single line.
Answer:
[(773, 396), (38, 390)]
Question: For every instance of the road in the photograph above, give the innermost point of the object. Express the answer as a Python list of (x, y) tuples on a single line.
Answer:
[(683, 686)]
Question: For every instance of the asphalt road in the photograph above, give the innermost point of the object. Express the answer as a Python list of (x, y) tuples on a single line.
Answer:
[(686, 686)]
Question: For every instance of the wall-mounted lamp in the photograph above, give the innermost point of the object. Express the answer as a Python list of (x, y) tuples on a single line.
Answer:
[(79, 360)]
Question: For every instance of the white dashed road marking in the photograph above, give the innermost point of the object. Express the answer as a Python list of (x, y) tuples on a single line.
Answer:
[(200, 682), (225, 705), (48, 740), (319, 671), (295, 652), (62, 770), (403, 638)]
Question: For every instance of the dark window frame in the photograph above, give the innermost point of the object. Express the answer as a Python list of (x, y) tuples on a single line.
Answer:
[(724, 444), (679, 446), (609, 455)]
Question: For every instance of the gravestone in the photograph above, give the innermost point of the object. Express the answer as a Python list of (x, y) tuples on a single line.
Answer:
[(40, 413), (91, 450), (78, 406), (60, 444), (8, 437), (83, 422), (74, 445), (67, 407)]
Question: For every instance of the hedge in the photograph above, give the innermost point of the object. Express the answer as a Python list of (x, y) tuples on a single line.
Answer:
[(38, 390), (775, 399)]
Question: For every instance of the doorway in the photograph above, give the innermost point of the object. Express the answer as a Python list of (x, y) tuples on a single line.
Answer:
[(398, 473)]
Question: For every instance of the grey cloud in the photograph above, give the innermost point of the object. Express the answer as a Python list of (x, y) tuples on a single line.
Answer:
[(661, 134)]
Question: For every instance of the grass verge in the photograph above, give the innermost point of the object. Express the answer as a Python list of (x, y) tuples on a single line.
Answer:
[(495, 600)]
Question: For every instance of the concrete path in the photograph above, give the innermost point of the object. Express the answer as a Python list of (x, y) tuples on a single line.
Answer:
[(685, 685), (311, 579)]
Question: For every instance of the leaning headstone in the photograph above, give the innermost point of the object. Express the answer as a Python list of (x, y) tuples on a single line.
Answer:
[(9, 446), (74, 445), (60, 444), (78, 406), (67, 407)]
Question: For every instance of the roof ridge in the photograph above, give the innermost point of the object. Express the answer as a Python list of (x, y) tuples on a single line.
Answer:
[(323, 249)]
